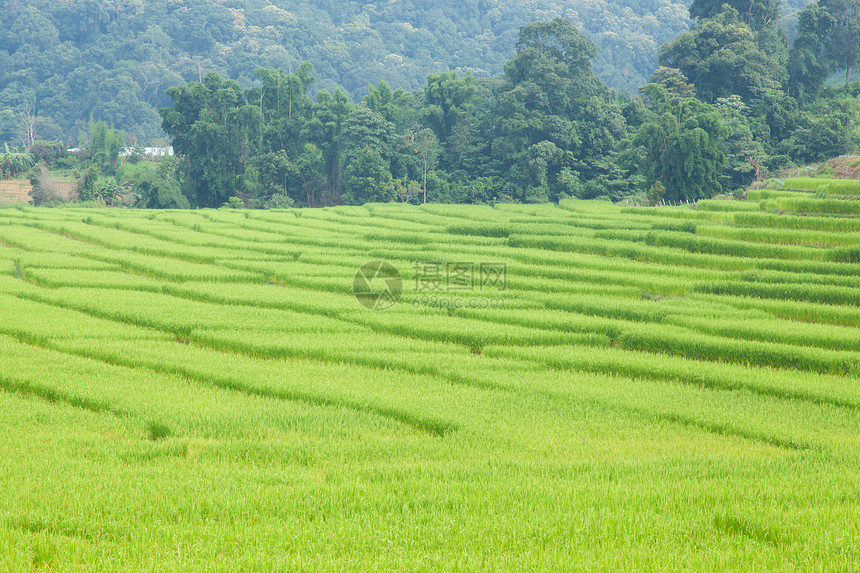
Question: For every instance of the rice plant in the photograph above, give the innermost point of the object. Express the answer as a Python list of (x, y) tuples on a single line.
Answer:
[(648, 388)]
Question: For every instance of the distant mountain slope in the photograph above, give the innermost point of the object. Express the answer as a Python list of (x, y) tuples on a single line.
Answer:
[(74, 60)]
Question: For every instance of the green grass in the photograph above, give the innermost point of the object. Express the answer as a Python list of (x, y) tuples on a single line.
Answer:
[(830, 186), (837, 207), (787, 221), (649, 389)]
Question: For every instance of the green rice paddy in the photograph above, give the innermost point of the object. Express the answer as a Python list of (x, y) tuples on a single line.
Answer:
[(572, 387)]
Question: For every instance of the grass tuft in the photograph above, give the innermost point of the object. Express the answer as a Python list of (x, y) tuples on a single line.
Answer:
[(157, 431), (183, 335), (746, 528), (44, 556)]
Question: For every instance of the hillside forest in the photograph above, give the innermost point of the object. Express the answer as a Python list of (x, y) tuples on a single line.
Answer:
[(738, 91)]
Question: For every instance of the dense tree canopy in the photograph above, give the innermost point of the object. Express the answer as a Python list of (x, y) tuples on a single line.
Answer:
[(808, 61), (682, 149), (757, 14), (722, 56), (734, 99), (213, 127), (828, 38), (553, 112), (88, 60)]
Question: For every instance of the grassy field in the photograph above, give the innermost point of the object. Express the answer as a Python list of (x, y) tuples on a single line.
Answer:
[(571, 387)]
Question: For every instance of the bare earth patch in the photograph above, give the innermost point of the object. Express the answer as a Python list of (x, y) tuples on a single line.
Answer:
[(15, 191), (845, 167)]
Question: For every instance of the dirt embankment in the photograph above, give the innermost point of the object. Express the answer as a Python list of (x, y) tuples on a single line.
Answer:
[(845, 167), (15, 191), (21, 190)]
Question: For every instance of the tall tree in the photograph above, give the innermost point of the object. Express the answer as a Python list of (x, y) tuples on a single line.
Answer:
[(325, 131), (676, 83), (721, 56), (843, 45), (367, 178), (757, 14), (368, 140), (550, 94), (394, 105), (427, 148), (285, 106), (682, 150), (447, 98), (808, 64), (213, 129)]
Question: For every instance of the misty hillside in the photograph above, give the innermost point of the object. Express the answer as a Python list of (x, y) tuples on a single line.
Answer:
[(77, 60), (113, 60)]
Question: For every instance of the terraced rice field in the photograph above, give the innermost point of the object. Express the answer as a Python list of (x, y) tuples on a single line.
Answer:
[(573, 387)]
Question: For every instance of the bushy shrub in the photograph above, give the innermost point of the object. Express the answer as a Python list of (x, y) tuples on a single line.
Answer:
[(156, 191), (277, 201), (45, 189), (234, 203)]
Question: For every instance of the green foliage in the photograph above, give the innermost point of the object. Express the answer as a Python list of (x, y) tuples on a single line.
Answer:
[(447, 99), (114, 62), (48, 152), (106, 144), (808, 64), (272, 172), (234, 203), (825, 129), (656, 193), (157, 191), (367, 178), (842, 45), (545, 129), (553, 113), (212, 126), (682, 151), (88, 183), (328, 151), (15, 161), (744, 153), (44, 188), (757, 14), (675, 82), (278, 202), (395, 106), (723, 56)]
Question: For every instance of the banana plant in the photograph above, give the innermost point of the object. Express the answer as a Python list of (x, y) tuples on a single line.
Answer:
[(14, 161)]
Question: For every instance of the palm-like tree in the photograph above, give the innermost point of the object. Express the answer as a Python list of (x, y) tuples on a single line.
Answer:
[(14, 161)]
